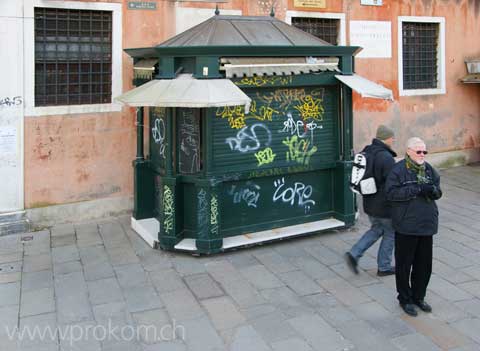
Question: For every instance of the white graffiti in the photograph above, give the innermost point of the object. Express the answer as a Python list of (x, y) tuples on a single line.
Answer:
[(249, 194), (300, 128), (247, 139), (158, 135), (299, 194)]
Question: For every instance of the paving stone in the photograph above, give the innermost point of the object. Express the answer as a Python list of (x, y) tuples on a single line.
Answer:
[(447, 290), (364, 337), (131, 275), (80, 337), (142, 298), (451, 259), (37, 302), (357, 280), (70, 284), (72, 298), (64, 240), (442, 334), (37, 263), (324, 254), (166, 281), (445, 310), (10, 277), (285, 300), (203, 286), (319, 334), (448, 273), (246, 338), (155, 320), (37, 280), (242, 259), (382, 320), (415, 342), (201, 336), (67, 267), (471, 306), (45, 324), (155, 260), (89, 240), (313, 268), (65, 254), (291, 344), (223, 271), (111, 311), (260, 277), (97, 271), (337, 315), (473, 271), (10, 257), (469, 327), (62, 230), (382, 294), (93, 254), (104, 290), (181, 305), (344, 292), (166, 346), (253, 312), (472, 287), (122, 346), (243, 293), (470, 347), (300, 283), (274, 327), (187, 265), (223, 313), (122, 255), (274, 261), (112, 234), (9, 294)]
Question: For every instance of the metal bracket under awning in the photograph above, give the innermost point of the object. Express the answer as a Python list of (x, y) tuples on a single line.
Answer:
[(366, 87)]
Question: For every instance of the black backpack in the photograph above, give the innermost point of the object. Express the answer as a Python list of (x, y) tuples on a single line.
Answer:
[(362, 180)]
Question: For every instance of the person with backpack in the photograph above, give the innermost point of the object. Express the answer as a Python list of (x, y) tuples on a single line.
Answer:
[(412, 187), (379, 162)]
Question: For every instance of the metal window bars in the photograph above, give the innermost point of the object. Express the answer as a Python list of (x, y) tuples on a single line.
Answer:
[(73, 57), (324, 28)]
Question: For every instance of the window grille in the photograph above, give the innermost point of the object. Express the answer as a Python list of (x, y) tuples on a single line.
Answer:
[(420, 52), (73, 57), (324, 28)]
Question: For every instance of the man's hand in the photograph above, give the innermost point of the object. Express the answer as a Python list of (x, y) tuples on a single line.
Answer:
[(426, 189)]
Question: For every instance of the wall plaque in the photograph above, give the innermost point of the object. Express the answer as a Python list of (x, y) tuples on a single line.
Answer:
[(142, 5), (319, 4)]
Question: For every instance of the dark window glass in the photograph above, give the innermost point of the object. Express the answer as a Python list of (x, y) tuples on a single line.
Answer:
[(324, 28), (73, 57), (420, 49)]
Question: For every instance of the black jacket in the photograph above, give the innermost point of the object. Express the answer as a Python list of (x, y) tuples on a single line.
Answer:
[(376, 205), (413, 214)]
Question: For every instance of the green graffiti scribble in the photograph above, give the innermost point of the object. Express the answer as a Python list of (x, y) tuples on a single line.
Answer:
[(299, 150), (265, 156)]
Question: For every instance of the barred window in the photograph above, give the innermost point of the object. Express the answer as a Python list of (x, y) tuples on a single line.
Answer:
[(420, 55), (73, 57), (324, 28)]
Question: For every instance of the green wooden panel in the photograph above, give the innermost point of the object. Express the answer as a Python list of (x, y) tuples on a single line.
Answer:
[(188, 140), (285, 127), (276, 201), (158, 137)]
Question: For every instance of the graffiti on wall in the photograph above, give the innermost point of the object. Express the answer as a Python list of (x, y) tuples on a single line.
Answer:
[(214, 215), (264, 81), (168, 210), (297, 194), (202, 209), (189, 140), (158, 135), (247, 194), (250, 138)]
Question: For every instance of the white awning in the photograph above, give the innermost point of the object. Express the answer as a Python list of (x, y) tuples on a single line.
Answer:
[(365, 87), (186, 91)]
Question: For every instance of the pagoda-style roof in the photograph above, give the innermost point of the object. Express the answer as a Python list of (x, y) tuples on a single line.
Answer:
[(243, 31)]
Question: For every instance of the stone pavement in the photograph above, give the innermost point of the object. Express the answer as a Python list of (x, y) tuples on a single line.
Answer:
[(297, 295)]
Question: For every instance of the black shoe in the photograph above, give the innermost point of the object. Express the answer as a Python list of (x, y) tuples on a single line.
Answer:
[(409, 308), (351, 262), (385, 273), (425, 307)]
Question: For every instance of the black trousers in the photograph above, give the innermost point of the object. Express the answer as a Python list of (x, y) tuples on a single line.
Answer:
[(413, 266)]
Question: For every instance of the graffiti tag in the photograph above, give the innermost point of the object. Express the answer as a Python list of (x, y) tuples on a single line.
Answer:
[(214, 215), (247, 139), (299, 150), (248, 194), (158, 135), (265, 156), (299, 194), (168, 209)]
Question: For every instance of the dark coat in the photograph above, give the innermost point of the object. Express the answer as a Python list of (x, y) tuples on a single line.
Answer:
[(376, 205), (413, 214)]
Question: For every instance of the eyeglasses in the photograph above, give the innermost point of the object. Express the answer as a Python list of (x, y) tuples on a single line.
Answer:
[(419, 152)]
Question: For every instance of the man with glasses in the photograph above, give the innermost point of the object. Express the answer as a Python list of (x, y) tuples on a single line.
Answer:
[(412, 188), (377, 207)]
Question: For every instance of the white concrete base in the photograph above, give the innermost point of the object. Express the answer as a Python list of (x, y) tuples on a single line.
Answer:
[(148, 229), (266, 235)]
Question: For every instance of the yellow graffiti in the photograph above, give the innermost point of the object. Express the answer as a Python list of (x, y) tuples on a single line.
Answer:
[(260, 81), (236, 114), (168, 209), (284, 98), (310, 108), (299, 150), (265, 156)]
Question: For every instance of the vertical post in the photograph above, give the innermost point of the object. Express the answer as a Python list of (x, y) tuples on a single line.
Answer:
[(140, 154)]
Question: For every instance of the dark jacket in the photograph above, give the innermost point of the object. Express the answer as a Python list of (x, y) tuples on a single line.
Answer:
[(413, 214), (376, 205)]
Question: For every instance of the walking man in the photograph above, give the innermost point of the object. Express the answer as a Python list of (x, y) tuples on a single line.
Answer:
[(412, 187), (377, 207)]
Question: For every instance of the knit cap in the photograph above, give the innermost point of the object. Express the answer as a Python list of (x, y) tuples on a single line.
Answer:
[(383, 132)]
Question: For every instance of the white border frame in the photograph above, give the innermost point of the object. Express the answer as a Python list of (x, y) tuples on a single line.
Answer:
[(440, 57), (29, 58), (342, 36)]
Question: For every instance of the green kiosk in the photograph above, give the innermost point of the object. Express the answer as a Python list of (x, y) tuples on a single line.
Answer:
[(249, 134)]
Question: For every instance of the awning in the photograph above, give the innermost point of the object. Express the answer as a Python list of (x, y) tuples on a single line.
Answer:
[(186, 91), (365, 87)]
